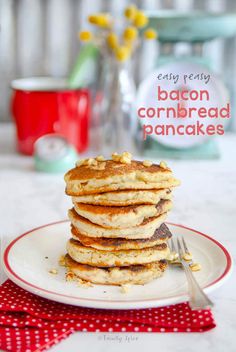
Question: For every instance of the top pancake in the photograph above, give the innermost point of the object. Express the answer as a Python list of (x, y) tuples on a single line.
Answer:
[(115, 175)]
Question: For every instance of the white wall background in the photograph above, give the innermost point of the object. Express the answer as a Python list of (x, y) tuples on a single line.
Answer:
[(39, 37)]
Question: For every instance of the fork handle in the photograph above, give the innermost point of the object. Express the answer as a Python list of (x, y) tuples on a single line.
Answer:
[(197, 298)]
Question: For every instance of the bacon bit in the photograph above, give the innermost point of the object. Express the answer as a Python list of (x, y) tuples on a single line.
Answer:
[(124, 158), (195, 267), (187, 257), (70, 276), (147, 163), (53, 271), (125, 288), (100, 158), (83, 283), (163, 165), (62, 261), (100, 166)]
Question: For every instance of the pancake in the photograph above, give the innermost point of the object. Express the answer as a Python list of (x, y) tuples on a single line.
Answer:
[(144, 230), (87, 179), (94, 257), (126, 197), (135, 274), (161, 235), (121, 217)]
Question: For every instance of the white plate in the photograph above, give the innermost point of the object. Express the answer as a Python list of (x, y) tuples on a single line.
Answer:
[(26, 264)]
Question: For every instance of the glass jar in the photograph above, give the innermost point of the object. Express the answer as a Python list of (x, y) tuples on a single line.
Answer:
[(114, 121)]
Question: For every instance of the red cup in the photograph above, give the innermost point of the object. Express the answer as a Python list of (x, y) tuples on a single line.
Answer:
[(42, 105)]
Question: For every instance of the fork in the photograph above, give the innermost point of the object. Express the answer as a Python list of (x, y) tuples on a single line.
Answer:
[(197, 297)]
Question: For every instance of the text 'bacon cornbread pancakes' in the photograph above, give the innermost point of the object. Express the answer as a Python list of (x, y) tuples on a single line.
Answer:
[(118, 235)]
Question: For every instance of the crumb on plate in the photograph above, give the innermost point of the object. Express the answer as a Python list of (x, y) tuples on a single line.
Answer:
[(53, 271)]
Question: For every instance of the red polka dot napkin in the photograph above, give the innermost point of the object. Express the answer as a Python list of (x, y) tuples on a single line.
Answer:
[(30, 323)]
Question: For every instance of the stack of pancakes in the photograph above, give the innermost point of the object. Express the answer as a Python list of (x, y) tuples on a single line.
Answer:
[(117, 222)]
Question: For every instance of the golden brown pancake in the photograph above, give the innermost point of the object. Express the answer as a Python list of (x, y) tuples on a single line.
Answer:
[(134, 274), (161, 235), (121, 217), (126, 197), (86, 179), (94, 257), (144, 230)]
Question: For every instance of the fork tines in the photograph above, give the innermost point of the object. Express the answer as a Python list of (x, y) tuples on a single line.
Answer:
[(182, 246)]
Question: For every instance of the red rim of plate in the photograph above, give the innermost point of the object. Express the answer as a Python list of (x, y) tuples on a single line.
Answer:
[(9, 269)]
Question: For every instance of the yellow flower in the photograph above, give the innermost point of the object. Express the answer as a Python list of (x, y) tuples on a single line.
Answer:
[(130, 12), (112, 40), (92, 19), (130, 33), (100, 20), (85, 36), (122, 53), (150, 34), (140, 19), (103, 21)]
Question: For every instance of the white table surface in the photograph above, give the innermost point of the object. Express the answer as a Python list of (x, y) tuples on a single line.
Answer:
[(205, 201)]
